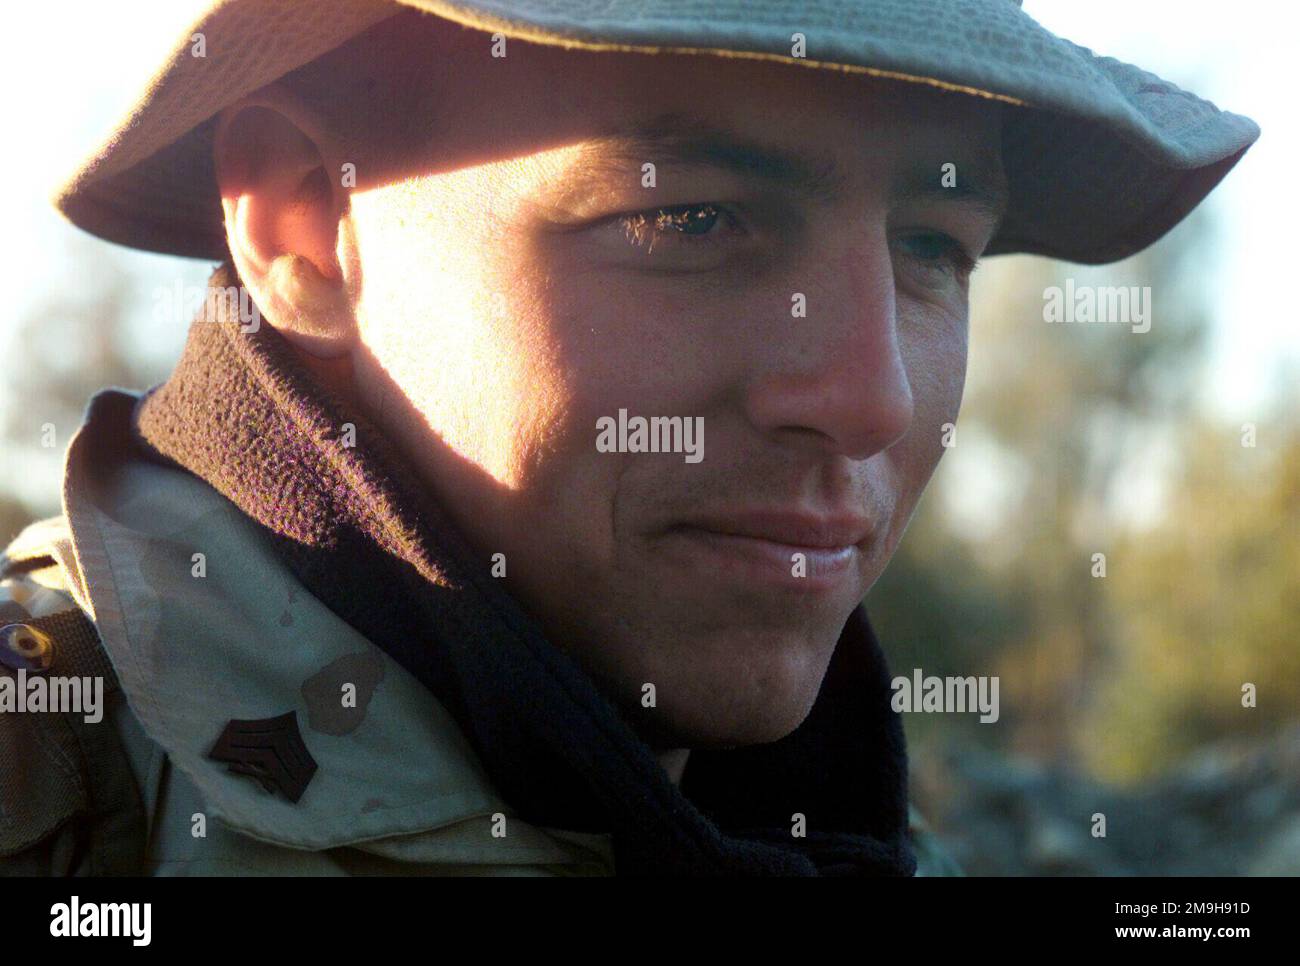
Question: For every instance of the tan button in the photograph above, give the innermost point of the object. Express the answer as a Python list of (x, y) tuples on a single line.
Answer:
[(26, 648)]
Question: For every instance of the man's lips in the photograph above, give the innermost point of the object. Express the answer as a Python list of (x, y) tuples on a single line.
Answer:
[(800, 530), (811, 552)]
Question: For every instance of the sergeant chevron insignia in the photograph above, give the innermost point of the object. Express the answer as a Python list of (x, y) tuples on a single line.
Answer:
[(270, 750)]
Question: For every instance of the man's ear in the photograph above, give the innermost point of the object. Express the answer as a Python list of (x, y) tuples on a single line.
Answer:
[(283, 214)]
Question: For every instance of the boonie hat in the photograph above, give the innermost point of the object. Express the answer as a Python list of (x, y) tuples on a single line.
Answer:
[(1102, 158)]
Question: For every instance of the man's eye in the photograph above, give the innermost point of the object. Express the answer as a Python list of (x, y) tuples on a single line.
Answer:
[(686, 222), (939, 251)]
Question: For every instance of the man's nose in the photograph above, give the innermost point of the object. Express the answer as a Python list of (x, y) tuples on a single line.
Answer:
[(835, 382)]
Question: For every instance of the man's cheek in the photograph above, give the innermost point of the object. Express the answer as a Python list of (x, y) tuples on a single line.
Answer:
[(936, 369), (936, 398), (567, 508)]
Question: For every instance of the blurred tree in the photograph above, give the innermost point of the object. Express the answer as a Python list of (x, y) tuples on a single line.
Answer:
[(1211, 603), (1077, 440), (72, 343), (13, 517)]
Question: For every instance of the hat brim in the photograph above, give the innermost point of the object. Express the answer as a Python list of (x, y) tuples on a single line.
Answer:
[(1102, 158)]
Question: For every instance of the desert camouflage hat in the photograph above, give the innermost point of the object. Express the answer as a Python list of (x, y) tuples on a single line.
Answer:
[(1102, 158)]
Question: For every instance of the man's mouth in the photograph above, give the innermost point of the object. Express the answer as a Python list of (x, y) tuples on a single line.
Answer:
[(791, 549)]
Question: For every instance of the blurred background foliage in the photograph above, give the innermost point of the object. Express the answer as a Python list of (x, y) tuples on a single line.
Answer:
[(1125, 689), (1119, 694), (95, 330)]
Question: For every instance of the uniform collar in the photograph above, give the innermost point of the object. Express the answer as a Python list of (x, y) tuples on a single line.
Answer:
[(245, 640)]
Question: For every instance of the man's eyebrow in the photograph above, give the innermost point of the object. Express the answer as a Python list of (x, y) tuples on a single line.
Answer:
[(678, 139), (978, 185), (686, 140)]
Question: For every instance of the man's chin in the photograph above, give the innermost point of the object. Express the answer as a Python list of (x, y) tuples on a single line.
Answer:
[(730, 711), (711, 682), (711, 733)]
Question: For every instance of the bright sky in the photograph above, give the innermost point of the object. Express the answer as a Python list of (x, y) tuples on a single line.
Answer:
[(68, 69)]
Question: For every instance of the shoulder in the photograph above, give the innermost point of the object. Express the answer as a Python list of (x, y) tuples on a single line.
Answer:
[(34, 583), (62, 771), (45, 630)]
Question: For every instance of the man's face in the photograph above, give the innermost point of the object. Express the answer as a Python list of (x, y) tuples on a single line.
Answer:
[(793, 275)]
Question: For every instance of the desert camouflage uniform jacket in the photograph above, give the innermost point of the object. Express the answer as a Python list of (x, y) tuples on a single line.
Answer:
[(136, 793)]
